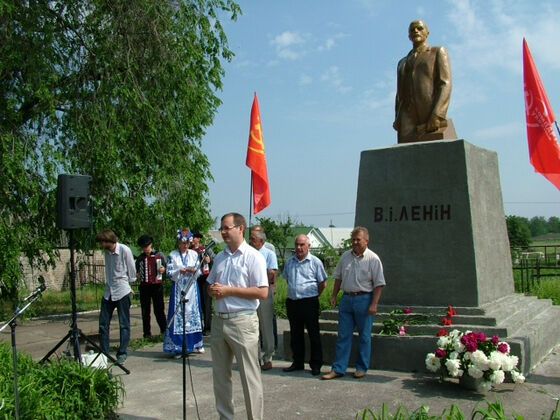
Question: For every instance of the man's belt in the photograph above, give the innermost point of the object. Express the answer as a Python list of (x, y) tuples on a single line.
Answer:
[(356, 293), (230, 315)]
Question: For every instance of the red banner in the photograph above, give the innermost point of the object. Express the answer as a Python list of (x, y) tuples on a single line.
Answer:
[(544, 151), (256, 160)]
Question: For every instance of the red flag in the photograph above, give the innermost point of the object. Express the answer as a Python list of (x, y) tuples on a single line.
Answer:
[(544, 151), (256, 160)]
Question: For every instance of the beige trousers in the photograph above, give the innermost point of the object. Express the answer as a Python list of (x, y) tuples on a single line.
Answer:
[(237, 337), (266, 329)]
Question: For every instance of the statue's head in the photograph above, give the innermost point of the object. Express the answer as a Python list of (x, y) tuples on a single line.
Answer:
[(418, 32)]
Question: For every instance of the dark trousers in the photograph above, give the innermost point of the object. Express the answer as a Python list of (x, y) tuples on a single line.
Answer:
[(105, 315), (205, 303), (304, 313), (152, 293)]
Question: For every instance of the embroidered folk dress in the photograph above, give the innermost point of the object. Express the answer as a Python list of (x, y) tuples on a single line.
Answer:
[(173, 340)]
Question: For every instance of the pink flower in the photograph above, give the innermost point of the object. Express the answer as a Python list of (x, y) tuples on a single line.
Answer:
[(481, 337), (503, 347), (495, 340), (441, 353), (471, 346), (402, 330), (407, 311), (470, 341)]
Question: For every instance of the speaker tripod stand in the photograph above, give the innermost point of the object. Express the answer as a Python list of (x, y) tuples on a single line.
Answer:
[(75, 334)]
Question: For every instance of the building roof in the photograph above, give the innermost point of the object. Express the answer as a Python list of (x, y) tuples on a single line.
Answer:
[(336, 235)]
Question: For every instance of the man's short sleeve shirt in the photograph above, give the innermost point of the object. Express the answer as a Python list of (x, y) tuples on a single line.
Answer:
[(304, 276), (360, 273), (246, 267)]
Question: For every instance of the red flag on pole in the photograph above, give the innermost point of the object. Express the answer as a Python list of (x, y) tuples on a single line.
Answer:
[(256, 160), (544, 151)]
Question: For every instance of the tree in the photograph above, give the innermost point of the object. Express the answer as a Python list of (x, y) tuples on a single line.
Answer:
[(538, 226), (278, 233), (518, 231), (553, 224), (118, 90)]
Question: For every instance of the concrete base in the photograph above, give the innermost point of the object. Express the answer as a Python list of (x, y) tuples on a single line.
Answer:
[(531, 326), (435, 215)]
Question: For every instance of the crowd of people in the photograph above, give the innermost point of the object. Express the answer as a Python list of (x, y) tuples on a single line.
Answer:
[(231, 295)]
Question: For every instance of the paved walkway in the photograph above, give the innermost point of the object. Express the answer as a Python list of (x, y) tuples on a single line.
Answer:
[(154, 387)]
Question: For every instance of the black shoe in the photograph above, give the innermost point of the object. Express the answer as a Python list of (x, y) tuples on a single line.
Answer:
[(293, 368), (315, 371)]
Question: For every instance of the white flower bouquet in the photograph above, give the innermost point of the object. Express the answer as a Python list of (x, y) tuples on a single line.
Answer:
[(475, 355)]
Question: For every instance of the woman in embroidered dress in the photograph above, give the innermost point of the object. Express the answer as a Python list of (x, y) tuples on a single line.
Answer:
[(182, 269)]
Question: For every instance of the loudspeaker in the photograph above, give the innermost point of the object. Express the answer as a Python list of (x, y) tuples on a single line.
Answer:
[(73, 203)]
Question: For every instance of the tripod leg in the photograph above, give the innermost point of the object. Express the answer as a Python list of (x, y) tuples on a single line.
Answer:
[(55, 348)]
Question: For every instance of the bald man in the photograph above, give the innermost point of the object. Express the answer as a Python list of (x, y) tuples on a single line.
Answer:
[(306, 279)]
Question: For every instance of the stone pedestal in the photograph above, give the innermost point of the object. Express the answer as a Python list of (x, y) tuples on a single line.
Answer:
[(435, 215)]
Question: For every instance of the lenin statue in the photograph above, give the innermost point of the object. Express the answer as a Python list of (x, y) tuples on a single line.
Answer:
[(423, 90)]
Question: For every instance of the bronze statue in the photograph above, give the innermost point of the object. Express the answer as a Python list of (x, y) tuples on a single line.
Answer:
[(423, 90)]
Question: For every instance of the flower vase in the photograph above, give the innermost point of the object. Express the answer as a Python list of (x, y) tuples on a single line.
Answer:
[(473, 384)]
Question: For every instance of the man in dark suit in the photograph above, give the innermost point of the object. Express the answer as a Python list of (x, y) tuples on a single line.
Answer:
[(423, 88)]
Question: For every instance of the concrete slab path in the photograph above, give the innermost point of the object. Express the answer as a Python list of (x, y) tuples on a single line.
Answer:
[(154, 387)]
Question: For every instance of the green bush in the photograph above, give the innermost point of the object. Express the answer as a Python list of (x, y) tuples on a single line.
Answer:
[(547, 289), (61, 389)]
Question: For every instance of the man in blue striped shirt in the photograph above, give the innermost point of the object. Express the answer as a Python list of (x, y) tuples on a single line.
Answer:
[(306, 279)]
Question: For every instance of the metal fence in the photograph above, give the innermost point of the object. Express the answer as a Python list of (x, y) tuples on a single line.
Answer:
[(531, 264)]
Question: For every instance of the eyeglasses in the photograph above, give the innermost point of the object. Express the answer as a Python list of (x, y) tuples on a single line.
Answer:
[(227, 228)]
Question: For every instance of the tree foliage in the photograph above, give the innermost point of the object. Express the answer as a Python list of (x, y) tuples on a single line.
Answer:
[(538, 226), (518, 231), (118, 90), (278, 233)]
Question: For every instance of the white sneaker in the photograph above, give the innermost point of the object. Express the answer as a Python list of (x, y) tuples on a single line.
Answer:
[(200, 350)]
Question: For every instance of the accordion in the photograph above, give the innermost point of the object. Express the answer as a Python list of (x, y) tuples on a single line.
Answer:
[(149, 269)]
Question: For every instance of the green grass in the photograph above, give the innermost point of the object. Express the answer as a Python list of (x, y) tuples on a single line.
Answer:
[(492, 410), (547, 289), (54, 302)]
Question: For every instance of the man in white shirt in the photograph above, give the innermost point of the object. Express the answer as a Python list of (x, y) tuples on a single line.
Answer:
[(120, 270), (238, 280), (359, 274)]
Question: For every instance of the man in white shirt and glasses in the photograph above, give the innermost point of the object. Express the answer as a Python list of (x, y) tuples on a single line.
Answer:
[(238, 280)]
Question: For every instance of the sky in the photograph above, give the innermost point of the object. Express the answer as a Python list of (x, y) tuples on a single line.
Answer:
[(325, 75)]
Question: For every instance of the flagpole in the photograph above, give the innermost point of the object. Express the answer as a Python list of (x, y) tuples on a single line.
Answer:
[(251, 199)]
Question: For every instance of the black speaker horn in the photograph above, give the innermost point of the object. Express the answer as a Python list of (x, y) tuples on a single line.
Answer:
[(73, 202)]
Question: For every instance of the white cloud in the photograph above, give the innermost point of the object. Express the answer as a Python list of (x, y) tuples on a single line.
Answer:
[(380, 97), (371, 6), (288, 45), (333, 78), (330, 42), (305, 79), (490, 34), (499, 132), (287, 39)]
